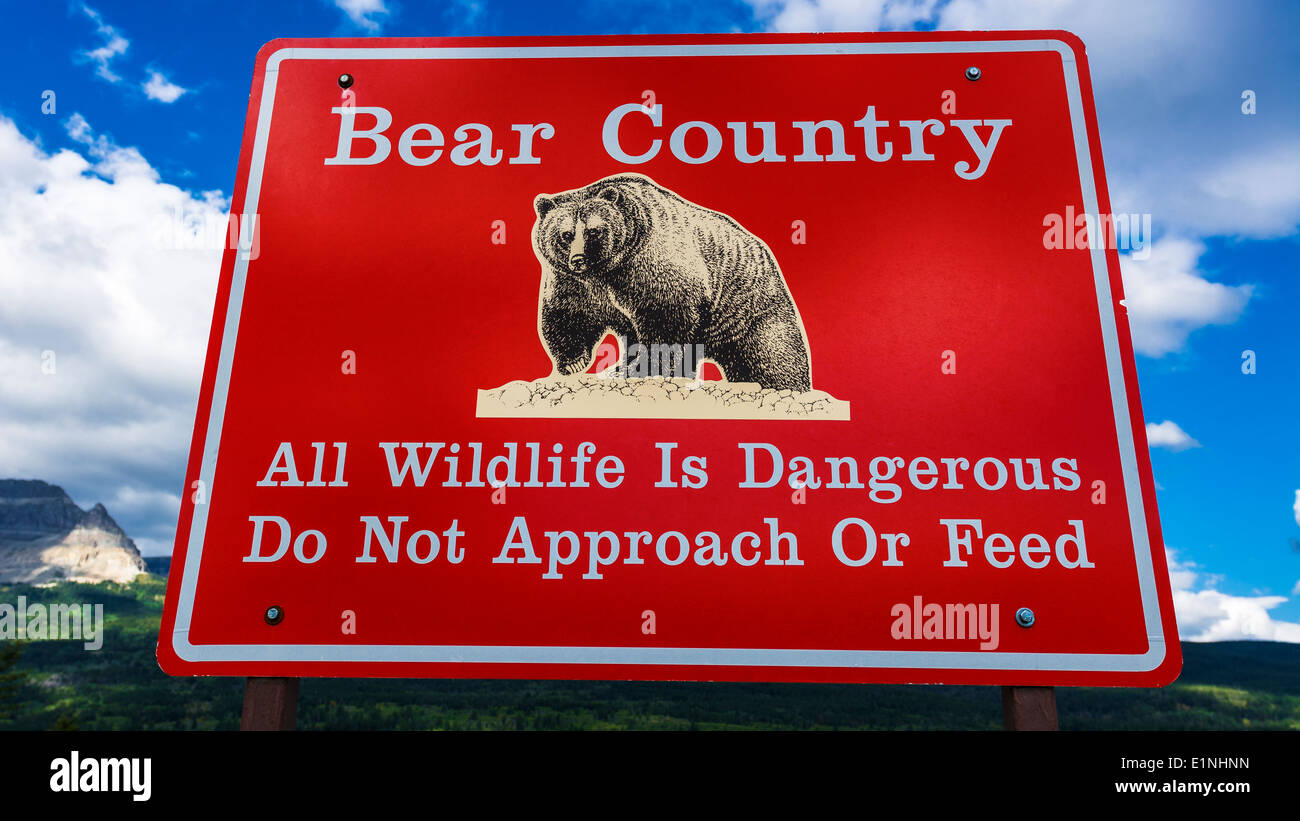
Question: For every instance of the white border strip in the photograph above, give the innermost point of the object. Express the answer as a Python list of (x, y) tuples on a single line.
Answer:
[(718, 656)]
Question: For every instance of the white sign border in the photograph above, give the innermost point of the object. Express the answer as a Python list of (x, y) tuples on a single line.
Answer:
[(678, 656)]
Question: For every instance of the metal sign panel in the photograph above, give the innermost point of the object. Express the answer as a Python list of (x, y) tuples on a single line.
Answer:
[(739, 357)]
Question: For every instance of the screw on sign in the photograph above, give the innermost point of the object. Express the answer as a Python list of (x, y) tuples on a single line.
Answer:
[(658, 404)]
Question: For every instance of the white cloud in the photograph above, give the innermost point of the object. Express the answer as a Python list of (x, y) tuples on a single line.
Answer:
[(464, 15), (1248, 189), (1167, 298), (1208, 615), (363, 12), (1168, 435), (159, 88), (113, 161), (842, 15), (107, 281), (1296, 508), (153, 515), (156, 86), (133, 501), (1258, 191), (114, 44)]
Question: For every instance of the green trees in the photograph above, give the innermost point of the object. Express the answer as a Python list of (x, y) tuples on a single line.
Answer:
[(11, 678)]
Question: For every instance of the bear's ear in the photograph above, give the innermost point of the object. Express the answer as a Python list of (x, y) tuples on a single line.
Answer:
[(543, 204), (611, 194)]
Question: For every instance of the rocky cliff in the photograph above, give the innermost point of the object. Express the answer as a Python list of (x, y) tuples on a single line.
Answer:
[(45, 537)]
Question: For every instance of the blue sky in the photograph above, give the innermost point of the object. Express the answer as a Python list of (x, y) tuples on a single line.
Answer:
[(149, 102)]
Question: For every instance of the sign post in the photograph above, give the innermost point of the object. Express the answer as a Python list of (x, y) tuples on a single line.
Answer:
[(763, 358), (270, 703), (1029, 708)]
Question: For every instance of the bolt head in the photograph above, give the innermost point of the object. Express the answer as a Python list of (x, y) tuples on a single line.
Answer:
[(274, 615), (1025, 617), (972, 73), (345, 80)]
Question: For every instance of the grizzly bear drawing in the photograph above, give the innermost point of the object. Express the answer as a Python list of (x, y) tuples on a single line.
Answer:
[(626, 255)]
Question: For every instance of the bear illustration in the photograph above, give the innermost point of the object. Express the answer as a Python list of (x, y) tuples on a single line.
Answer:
[(628, 256)]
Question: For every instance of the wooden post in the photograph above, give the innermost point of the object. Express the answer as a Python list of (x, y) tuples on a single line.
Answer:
[(270, 703), (1029, 708)]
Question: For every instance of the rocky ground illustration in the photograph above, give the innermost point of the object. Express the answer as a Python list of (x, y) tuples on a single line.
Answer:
[(600, 396)]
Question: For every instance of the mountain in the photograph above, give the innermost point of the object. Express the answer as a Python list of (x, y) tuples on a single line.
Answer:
[(45, 537), (158, 565)]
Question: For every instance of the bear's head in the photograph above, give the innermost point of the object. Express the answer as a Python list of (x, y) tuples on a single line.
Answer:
[(589, 232)]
